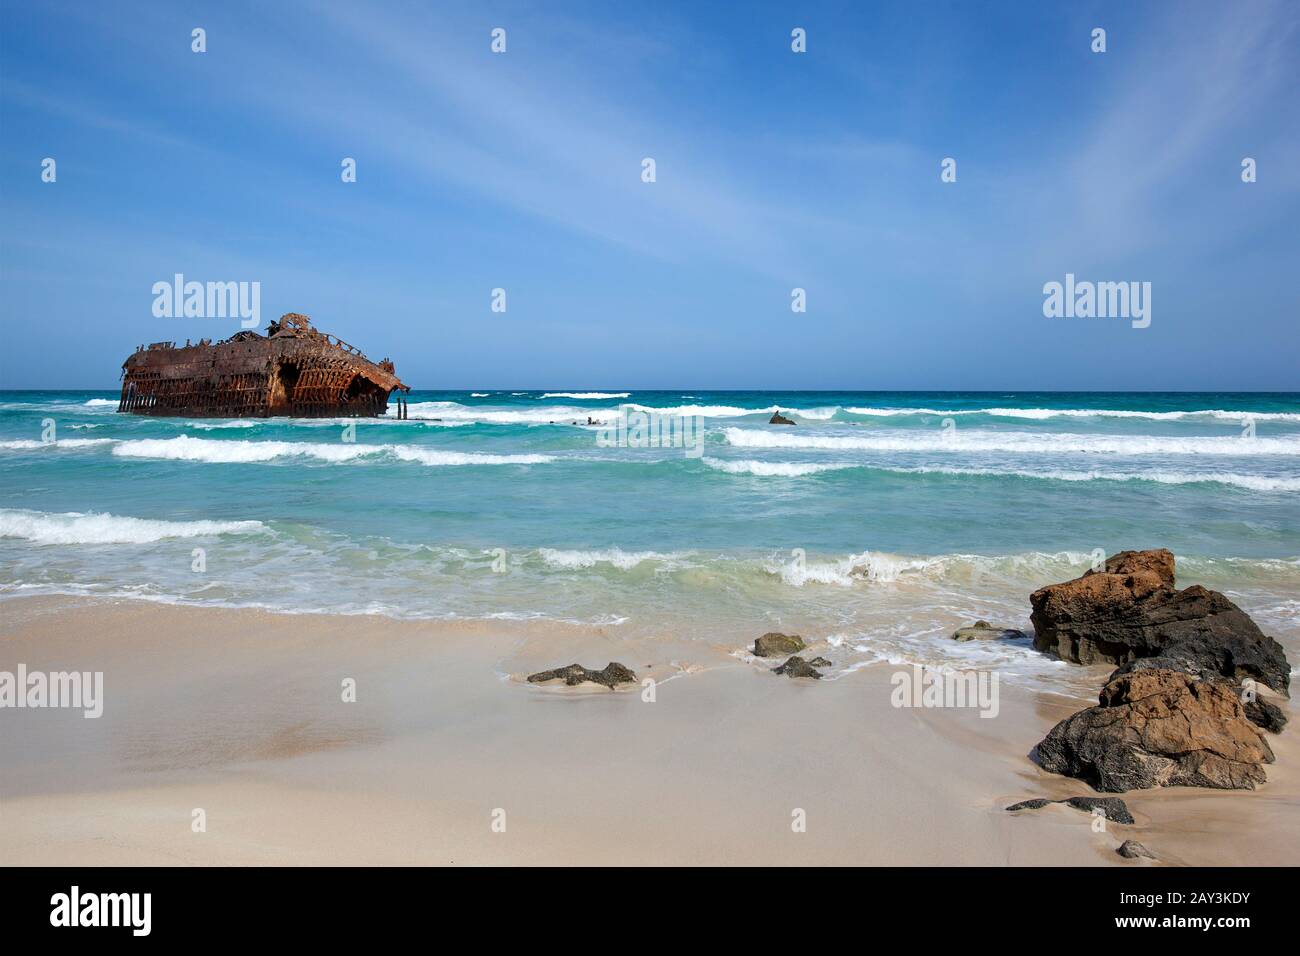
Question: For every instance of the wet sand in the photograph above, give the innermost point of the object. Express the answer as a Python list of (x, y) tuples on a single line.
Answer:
[(239, 713)]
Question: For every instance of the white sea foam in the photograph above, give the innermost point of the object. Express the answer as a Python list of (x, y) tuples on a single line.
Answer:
[(101, 402), (586, 395), (436, 457), (773, 469), (479, 394), (1044, 413), (970, 440), (733, 411), (566, 414), (867, 566), (213, 426), (1251, 482), (543, 415), (796, 469), (615, 557), (76, 528), (185, 448), (25, 444)]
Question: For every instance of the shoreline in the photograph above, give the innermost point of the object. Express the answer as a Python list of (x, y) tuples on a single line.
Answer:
[(239, 712)]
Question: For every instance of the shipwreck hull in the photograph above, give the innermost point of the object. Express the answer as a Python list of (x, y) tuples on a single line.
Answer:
[(293, 370)]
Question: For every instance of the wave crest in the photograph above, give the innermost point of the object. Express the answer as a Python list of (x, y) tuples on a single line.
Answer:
[(185, 448), (74, 527), (956, 440)]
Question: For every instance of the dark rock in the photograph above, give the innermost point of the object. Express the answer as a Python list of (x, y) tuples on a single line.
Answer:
[(820, 662), (797, 667), (1132, 849), (1113, 807), (1037, 803), (1159, 728), (1131, 614), (613, 673), (773, 644), (984, 631), (1266, 714), (779, 419)]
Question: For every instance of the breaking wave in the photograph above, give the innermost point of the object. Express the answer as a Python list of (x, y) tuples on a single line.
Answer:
[(546, 415), (185, 448), (25, 444), (773, 469), (867, 566), (76, 528), (1044, 413), (795, 469), (956, 440), (615, 557), (586, 395), (733, 411)]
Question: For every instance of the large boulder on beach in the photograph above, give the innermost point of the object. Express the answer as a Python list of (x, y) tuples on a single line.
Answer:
[(574, 674), (1160, 728), (1130, 613), (774, 644), (1265, 713)]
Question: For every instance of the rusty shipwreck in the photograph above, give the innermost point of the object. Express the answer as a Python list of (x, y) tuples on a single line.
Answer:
[(293, 369)]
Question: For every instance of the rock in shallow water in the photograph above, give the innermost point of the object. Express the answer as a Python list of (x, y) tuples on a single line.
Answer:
[(984, 631), (798, 667), (1159, 728), (1131, 614), (613, 673), (773, 644)]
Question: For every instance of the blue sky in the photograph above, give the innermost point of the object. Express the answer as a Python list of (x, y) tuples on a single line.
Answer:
[(775, 170)]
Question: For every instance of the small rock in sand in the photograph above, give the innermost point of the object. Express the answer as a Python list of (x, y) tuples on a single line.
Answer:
[(1116, 810), (774, 645), (1037, 803), (1132, 849), (1113, 807), (574, 674)]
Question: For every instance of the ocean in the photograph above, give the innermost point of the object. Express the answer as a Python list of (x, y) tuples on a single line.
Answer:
[(879, 521)]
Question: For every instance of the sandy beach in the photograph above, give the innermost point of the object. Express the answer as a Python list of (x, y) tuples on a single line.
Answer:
[(239, 713)]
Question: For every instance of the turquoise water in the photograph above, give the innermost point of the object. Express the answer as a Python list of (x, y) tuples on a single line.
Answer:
[(880, 520)]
